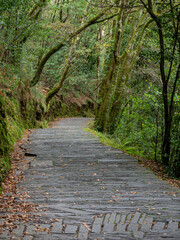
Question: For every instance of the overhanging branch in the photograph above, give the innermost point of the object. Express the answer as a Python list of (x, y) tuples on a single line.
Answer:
[(62, 43), (107, 18)]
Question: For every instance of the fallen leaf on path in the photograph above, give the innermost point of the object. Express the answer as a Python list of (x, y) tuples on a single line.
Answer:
[(86, 226)]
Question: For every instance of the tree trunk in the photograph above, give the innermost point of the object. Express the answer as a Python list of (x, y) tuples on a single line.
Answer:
[(112, 89), (58, 86), (168, 105)]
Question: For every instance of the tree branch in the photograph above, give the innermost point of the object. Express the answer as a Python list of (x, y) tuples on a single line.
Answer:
[(61, 44), (108, 18)]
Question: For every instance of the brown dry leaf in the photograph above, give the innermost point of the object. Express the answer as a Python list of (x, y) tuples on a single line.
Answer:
[(13, 210), (86, 226), (115, 200), (159, 171), (133, 192)]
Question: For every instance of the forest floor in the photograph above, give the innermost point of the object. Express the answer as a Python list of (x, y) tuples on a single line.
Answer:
[(71, 186)]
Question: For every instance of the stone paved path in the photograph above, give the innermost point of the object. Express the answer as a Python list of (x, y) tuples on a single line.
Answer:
[(90, 191)]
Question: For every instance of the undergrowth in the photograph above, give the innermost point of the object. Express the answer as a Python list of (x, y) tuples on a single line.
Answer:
[(19, 110)]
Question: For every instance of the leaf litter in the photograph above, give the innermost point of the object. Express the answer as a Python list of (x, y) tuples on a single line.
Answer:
[(14, 207)]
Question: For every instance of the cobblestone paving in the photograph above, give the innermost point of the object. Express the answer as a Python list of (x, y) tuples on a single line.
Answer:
[(86, 190)]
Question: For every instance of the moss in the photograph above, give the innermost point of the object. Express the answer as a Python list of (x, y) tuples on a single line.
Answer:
[(17, 113), (4, 168), (4, 142), (3, 130), (58, 108)]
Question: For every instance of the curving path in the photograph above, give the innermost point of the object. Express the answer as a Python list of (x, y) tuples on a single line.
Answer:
[(91, 191)]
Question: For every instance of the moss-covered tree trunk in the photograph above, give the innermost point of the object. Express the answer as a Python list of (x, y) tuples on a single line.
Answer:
[(114, 85), (66, 67), (112, 63), (120, 95), (64, 74)]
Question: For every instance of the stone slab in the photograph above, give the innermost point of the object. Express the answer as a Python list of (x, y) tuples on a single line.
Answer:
[(57, 227), (96, 228), (71, 229), (83, 232)]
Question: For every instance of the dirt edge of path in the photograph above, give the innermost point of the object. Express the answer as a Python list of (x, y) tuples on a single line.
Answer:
[(11, 210)]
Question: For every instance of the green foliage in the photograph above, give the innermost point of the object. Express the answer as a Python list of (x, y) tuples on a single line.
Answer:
[(4, 142), (20, 109), (9, 5), (3, 130), (16, 115), (175, 138), (137, 127), (137, 105), (14, 26)]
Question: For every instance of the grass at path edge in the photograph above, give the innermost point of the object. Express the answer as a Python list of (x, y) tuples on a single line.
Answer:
[(156, 168)]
